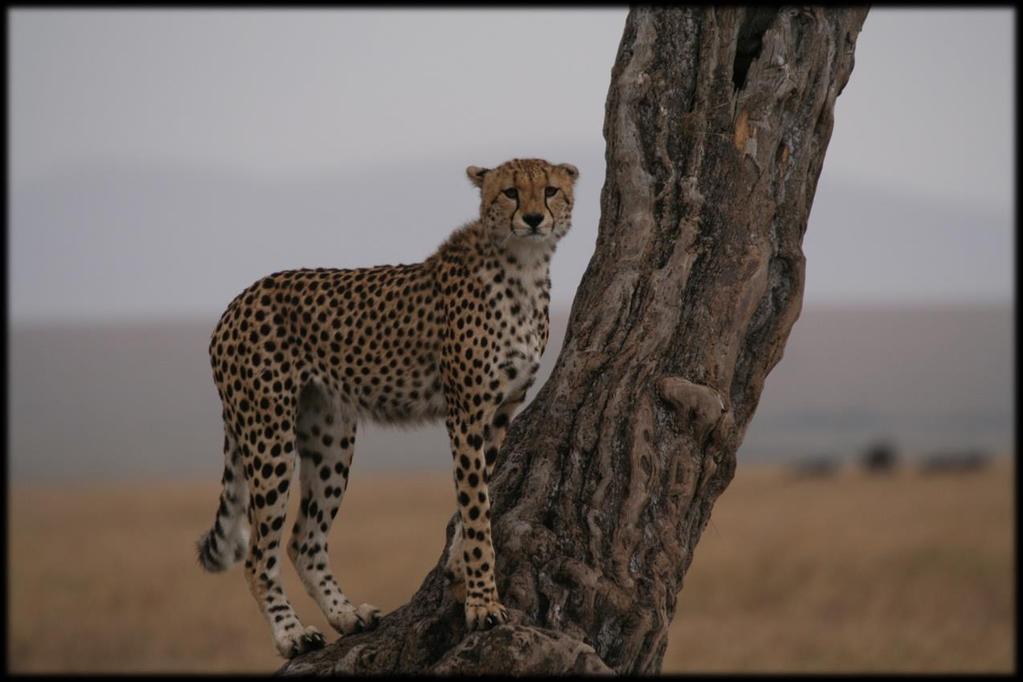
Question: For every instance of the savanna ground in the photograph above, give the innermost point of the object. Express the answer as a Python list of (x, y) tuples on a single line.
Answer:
[(852, 573)]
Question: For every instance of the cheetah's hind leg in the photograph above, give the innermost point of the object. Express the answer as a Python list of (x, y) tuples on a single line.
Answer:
[(271, 462), (326, 442)]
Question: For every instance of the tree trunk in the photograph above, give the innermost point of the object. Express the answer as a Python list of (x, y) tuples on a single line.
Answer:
[(717, 122)]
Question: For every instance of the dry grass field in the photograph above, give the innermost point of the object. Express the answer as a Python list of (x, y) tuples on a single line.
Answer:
[(853, 573)]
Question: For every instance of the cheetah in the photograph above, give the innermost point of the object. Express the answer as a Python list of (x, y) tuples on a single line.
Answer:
[(302, 356)]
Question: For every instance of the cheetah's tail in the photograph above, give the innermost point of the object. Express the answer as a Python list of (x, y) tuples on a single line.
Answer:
[(217, 553), (227, 542), (211, 558), (219, 550)]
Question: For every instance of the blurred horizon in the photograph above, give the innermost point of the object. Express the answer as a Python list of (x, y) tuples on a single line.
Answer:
[(136, 399)]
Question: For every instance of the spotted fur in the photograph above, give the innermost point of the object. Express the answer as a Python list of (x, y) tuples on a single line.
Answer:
[(302, 356)]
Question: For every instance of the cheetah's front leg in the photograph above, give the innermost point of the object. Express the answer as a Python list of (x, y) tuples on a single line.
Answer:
[(493, 440), (483, 610)]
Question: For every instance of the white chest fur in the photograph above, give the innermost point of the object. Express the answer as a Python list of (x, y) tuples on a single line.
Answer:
[(521, 294)]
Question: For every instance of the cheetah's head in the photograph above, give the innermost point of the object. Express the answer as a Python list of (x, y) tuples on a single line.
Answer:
[(525, 200)]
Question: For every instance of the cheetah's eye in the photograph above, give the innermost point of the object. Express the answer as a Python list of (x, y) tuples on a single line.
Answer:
[(511, 193), (550, 191)]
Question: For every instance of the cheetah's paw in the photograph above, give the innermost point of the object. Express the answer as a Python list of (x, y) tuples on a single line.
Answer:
[(368, 617), (355, 620), (297, 643), (485, 616)]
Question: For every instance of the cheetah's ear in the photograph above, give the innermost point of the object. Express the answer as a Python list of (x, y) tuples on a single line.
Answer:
[(570, 170), (476, 174)]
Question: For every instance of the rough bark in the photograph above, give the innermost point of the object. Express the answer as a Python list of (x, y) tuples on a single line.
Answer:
[(717, 122)]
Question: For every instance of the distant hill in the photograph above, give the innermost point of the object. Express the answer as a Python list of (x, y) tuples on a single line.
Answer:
[(133, 400), (147, 240), (927, 377)]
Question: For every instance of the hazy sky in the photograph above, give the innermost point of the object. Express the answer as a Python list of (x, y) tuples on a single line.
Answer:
[(294, 98)]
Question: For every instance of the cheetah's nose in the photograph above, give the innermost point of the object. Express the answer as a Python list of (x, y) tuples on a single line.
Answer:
[(532, 219)]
